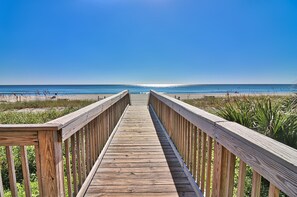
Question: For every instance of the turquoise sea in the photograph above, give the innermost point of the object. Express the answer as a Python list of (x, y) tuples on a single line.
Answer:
[(141, 89)]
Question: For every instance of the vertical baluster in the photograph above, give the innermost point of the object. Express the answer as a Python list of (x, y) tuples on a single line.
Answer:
[(217, 169), (97, 137), (241, 179), (25, 170), (194, 167), (203, 143), (38, 170), (91, 129), (101, 132), (188, 143), (183, 123), (87, 145), (11, 171), (230, 174), (1, 185), (74, 171), (78, 158), (191, 147), (68, 167), (273, 191), (199, 157), (208, 173), (83, 156), (223, 171), (256, 184)]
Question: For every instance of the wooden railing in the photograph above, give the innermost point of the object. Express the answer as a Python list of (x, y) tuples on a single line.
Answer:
[(211, 146), (65, 149)]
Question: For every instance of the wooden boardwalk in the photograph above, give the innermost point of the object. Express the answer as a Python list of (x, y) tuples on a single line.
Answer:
[(139, 161)]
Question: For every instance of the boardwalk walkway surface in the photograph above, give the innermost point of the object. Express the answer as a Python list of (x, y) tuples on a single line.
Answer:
[(139, 161)]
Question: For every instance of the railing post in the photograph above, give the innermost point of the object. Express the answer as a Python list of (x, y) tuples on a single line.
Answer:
[(51, 163)]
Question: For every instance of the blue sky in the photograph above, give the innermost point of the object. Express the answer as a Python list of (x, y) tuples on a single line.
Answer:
[(148, 41)]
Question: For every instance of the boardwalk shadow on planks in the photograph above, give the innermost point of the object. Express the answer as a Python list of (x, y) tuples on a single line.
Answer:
[(180, 179), (139, 161)]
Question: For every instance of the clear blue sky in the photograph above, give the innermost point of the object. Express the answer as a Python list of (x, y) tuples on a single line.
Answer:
[(148, 41)]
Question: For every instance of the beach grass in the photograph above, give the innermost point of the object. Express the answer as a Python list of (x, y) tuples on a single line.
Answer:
[(9, 113), (44, 104)]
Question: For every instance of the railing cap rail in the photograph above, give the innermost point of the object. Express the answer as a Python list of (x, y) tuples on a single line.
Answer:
[(69, 118), (275, 161), (29, 127), (66, 120), (282, 150)]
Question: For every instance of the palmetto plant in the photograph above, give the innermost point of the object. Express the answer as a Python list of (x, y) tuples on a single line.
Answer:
[(240, 112), (276, 120)]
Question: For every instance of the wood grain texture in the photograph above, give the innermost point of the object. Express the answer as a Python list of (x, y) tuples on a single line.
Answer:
[(74, 121), (68, 167), (273, 191), (241, 179), (125, 171), (51, 163), (256, 184), (25, 170), (11, 171), (18, 138), (274, 161)]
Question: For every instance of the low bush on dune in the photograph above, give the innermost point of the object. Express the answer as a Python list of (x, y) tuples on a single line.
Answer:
[(277, 120)]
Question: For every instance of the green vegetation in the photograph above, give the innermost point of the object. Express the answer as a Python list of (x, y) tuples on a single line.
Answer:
[(8, 115), (51, 111), (45, 104), (273, 116)]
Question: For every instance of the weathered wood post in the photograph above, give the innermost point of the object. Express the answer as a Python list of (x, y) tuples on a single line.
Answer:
[(50, 159)]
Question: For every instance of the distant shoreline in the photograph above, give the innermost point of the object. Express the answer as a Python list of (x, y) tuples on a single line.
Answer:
[(182, 96)]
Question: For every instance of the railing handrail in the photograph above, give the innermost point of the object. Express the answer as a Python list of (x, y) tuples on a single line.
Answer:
[(64, 121), (82, 133), (275, 161), (72, 122)]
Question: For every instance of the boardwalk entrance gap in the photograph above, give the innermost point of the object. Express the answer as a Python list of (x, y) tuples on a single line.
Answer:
[(146, 145)]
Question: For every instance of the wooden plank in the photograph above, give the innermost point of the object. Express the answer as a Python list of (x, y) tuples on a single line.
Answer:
[(140, 189), (1, 185), (198, 157), (241, 179), (74, 166), (14, 128), (51, 163), (88, 179), (145, 166), (78, 155), (256, 184), (68, 167), (273, 191), (38, 169), (74, 121), (194, 153), (230, 174), (18, 138), (209, 163), (203, 159), (83, 156), (151, 194), (11, 171), (275, 161), (25, 170)]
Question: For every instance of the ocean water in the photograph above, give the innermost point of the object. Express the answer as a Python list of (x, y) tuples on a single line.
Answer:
[(141, 89)]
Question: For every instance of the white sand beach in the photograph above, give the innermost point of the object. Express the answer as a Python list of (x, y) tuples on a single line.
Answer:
[(15, 98)]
